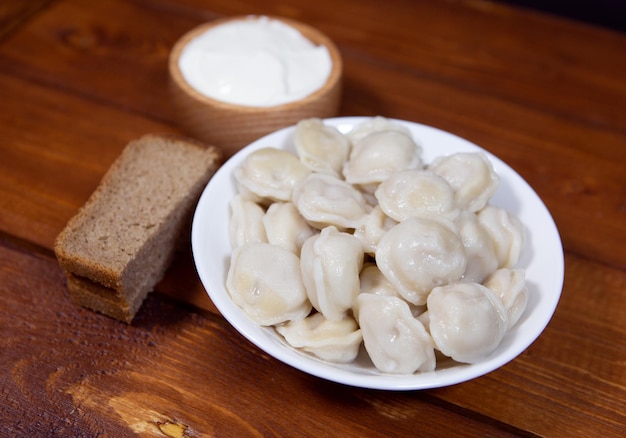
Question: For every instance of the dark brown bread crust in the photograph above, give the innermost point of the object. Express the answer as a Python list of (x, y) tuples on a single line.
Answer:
[(123, 239)]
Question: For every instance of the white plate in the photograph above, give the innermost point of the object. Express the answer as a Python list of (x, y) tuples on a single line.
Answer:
[(542, 259)]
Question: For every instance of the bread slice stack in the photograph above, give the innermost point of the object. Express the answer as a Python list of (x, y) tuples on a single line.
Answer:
[(120, 243)]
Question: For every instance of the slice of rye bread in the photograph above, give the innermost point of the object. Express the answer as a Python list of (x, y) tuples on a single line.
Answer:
[(119, 244)]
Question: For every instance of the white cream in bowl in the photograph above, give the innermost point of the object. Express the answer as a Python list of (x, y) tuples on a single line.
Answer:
[(258, 62)]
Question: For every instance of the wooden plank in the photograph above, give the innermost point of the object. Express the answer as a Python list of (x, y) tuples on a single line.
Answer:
[(571, 381), (79, 48), (16, 14), (547, 53), (67, 371), (54, 154), (427, 77), (591, 182)]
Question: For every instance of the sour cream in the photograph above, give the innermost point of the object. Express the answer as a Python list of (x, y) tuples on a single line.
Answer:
[(259, 62)]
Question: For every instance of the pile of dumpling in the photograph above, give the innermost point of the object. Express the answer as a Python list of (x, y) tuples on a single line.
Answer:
[(356, 241)]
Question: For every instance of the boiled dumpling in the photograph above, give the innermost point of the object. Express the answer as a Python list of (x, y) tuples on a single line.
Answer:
[(479, 248), (372, 281), (424, 318), (325, 200), (373, 226), (246, 222), (285, 227), (467, 321), (368, 191), (330, 262), (379, 155), (269, 174), (419, 254), (375, 124), (472, 177), (322, 148), (510, 286), (507, 234), (334, 341), (395, 341), (416, 193), (265, 281)]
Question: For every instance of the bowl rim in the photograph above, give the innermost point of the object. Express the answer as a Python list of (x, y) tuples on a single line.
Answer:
[(312, 34)]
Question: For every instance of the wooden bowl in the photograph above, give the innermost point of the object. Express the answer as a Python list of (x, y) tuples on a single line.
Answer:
[(231, 126)]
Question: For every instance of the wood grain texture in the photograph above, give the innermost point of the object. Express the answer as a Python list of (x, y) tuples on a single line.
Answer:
[(79, 79), (50, 170), (66, 371), (448, 76), (15, 14), (70, 371)]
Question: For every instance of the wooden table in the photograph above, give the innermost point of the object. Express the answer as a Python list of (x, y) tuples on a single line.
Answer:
[(80, 78)]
